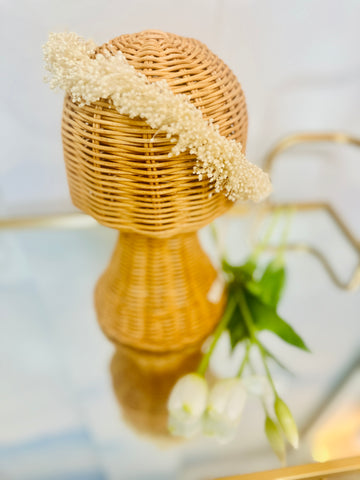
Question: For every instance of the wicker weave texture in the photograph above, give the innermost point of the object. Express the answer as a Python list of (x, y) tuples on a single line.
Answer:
[(118, 168), (153, 296)]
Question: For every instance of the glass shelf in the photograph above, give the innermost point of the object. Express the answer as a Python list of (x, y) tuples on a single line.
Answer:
[(67, 412)]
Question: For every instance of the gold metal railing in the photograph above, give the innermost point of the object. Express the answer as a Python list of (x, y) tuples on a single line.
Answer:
[(55, 220), (298, 138), (268, 207), (342, 469)]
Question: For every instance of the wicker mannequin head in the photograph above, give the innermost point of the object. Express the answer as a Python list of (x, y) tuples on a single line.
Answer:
[(118, 168)]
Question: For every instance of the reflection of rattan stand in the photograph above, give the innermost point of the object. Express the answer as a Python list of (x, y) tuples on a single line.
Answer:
[(153, 296), (142, 382)]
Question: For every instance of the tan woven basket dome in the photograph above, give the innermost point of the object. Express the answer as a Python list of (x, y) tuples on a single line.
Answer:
[(118, 168)]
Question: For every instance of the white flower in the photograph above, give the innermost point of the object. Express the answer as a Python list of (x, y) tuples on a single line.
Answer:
[(225, 406), (184, 426), (257, 385), (186, 405)]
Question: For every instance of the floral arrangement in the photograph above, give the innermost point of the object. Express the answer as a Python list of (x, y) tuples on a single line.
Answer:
[(87, 76), (253, 297)]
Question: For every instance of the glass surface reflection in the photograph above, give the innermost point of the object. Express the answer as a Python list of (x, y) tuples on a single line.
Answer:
[(60, 406)]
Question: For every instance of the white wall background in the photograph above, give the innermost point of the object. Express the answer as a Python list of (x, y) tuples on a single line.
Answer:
[(298, 62)]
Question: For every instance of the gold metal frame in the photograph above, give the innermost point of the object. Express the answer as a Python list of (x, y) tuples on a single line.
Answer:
[(298, 138), (269, 206), (335, 469), (55, 220)]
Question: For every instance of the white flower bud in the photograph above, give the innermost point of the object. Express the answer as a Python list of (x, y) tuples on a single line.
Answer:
[(287, 422), (225, 406), (186, 405), (227, 399), (189, 395), (257, 385), (275, 439), (184, 426)]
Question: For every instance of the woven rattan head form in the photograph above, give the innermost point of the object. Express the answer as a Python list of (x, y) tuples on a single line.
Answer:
[(118, 168)]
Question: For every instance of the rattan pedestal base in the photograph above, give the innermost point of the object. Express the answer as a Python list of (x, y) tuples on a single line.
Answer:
[(153, 295)]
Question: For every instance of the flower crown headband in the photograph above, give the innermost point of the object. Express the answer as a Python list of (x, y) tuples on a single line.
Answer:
[(88, 77)]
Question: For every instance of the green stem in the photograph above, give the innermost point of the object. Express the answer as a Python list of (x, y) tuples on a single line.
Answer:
[(260, 247), (266, 410), (230, 307), (253, 338), (285, 236), (267, 370), (215, 236), (263, 403), (245, 360), (246, 314)]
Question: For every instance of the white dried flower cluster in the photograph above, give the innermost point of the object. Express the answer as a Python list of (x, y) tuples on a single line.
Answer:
[(88, 78)]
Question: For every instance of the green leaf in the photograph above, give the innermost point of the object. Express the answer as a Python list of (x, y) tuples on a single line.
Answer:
[(265, 317), (237, 328), (226, 266), (249, 267), (272, 283), (240, 273), (253, 287)]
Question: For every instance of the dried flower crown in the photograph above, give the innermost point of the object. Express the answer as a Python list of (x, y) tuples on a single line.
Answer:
[(88, 77)]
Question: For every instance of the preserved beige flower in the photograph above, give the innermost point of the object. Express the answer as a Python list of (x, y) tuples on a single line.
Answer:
[(87, 77)]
